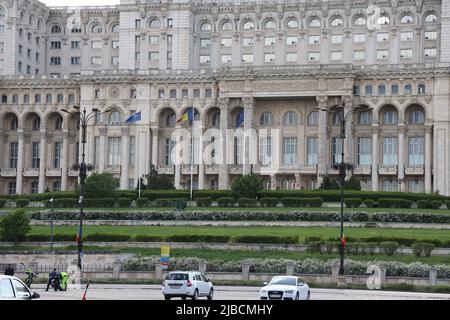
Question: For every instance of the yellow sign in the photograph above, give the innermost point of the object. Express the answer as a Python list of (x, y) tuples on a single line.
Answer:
[(165, 251)]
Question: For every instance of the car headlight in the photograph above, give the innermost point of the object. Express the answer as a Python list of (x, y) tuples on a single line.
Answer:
[(263, 292), (289, 292)]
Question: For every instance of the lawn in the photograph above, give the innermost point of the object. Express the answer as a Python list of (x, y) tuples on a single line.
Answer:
[(301, 232)]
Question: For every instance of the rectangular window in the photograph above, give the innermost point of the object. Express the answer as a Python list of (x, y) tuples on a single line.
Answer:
[(265, 151), (269, 41), (131, 185), (205, 59), (169, 22), (382, 90), (137, 40), (359, 38), (161, 93), (35, 155), (184, 93), (269, 57), (153, 56), (173, 93), (416, 151), (364, 151), (226, 58), (75, 60), (170, 145), (390, 151), (57, 155), (115, 44), (34, 187), (115, 61), (12, 188), (55, 45), (247, 58), (132, 152), (406, 53), (247, 42), (2, 46), (368, 90), (359, 55), (337, 39), (312, 151), (291, 57), (390, 185), (226, 42), (13, 154), (137, 23), (314, 56), (394, 90), (336, 155), (96, 44), (55, 61), (431, 35), (291, 41), (336, 56), (208, 93), (96, 151), (196, 93), (416, 186), (153, 40), (114, 151), (406, 36), (408, 89), (2, 30), (238, 149), (205, 43), (75, 44), (37, 98), (382, 54), (430, 52), (290, 151), (96, 61), (314, 39), (56, 186), (382, 37)]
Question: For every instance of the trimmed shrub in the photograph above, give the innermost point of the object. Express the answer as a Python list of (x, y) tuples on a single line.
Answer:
[(312, 239), (142, 202), (101, 237), (146, 238), (247, 186), (198, 238), (63, 203), (290, 202), (204, 202), (269, 202), (265, 239), (226, 202), (153, 195), (352, 202), (331, 246), (436, 204), (369, 203), (99, 202), (169, 202), (447, 203), (423, 204), (423, 248), (314, 247), (3, 202), (389, 247), (369, 247), (130, 194), (124, 202), (247, 202), (394, 203), (22, 203), (302, 202), (14, 226), (213, 194)]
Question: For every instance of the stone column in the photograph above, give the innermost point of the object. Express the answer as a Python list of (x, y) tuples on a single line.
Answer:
[(290, 269), (433, 277), (245, 272), (20, 162), (394, 58), (249, 104), (401, 155), (418, 44), (428, 154), (273, 182), (370, 58), (322, 147), (348, 145), (42, 162), (178, 160), (202, 267), (224, 179), (155, 139), (3, 152), (375, 149), (124, 178), (348, 43), (116, 270), (103, 150), (324, 47), (65, 160)]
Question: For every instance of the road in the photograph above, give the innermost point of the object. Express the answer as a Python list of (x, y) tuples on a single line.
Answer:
[(153, 292)]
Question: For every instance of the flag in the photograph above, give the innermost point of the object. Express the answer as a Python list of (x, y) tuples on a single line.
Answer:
[(240, 120), (134, 118), (84, 296), (188, 115), (80, 235), (343, 241)]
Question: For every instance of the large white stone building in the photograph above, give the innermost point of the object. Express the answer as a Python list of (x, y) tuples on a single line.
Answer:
[(275, 62)]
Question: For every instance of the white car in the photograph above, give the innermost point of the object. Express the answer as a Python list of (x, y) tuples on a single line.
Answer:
[(12, 288), (183, 284), (285, 288)]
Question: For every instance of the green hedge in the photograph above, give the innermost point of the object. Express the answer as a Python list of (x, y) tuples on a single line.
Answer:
[(265, 239), (124, 202), (63, 203), (99, 202), (226, 202), (3, 202), (22, 203), (301, 202), (213, 194), (203, 202), (369, 203), (353, 202), (389, 247), (394, 203), (146, 238), (153, 195), (96, 237), (142, 202), (168, 202), (247, 202), (269, 202), (198, 238), (46, 238)]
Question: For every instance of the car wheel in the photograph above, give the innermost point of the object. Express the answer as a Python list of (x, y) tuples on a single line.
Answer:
[(195, 296), (297, 297), (167, 297), (211, 293), (308, 297)]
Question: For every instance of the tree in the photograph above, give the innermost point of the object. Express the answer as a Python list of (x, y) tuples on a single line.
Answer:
[(353, 184), (248, 186), (156, 181), (15, 226), (101, 185), (327, 184)]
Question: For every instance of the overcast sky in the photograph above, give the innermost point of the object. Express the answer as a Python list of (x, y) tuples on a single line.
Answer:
[(80, 2)]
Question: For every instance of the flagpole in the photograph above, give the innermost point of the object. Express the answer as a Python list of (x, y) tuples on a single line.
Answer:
[(192, 150)]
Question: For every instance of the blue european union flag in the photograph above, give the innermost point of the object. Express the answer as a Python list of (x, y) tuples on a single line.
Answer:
[(240, 120)]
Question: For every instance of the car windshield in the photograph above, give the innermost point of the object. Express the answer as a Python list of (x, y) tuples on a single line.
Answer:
[(177, 276), (284, 281)]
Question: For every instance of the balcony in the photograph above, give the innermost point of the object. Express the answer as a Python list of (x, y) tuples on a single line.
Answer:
[(211, 169), (188, 169), (114, 169), (414, 170), (8, 172), (308, 169), (166, 169), (73, 173), (31, 172), (387, 169), (235, 169), (362, 170), (53, 172)]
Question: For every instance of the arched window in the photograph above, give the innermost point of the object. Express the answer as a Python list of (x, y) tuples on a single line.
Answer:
[(390, 117), (431, 18), (313, 118), (336, 118), (71, 98), (290, 118), (270, 24), (249, 25), (115, 28), (155, 24), (365, 117), (360, 21), (292, 24), (215, 119), (58, 123), (22, 15), (384, 20), (2, 12), (14, 123), (171, 119), (36, 124), (39, 24), (407, 19), (314, 23), (114, 117), (97, 28), (227, 26), (205, 26), (56, 29), (337, 22), (416, 117), (31, 20), (266, 119)]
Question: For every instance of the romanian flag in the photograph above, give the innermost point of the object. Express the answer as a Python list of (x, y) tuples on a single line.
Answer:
[(80, 235), (188, 115), (343, 241)]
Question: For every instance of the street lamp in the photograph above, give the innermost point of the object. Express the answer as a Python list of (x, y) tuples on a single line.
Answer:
[(51, 223), (343, 167), (83, 169)]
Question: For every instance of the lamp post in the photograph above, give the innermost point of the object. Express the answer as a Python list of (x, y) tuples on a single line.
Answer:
[(83, 169), (343, 167), (51, 223)]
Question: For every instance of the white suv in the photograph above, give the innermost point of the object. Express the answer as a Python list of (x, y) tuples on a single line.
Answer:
[(185, 284), (12, 288)]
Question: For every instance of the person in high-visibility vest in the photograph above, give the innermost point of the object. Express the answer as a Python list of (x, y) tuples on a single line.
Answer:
[(64, 279)]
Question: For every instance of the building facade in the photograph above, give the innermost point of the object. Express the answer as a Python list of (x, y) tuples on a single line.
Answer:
[(270, 66)]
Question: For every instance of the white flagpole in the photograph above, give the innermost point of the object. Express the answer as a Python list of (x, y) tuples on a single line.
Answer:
[(244, 147), (139, 169), (192, 151)]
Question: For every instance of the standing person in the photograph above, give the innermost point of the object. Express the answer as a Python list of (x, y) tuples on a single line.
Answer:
[(9, 271), (51, 276)]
